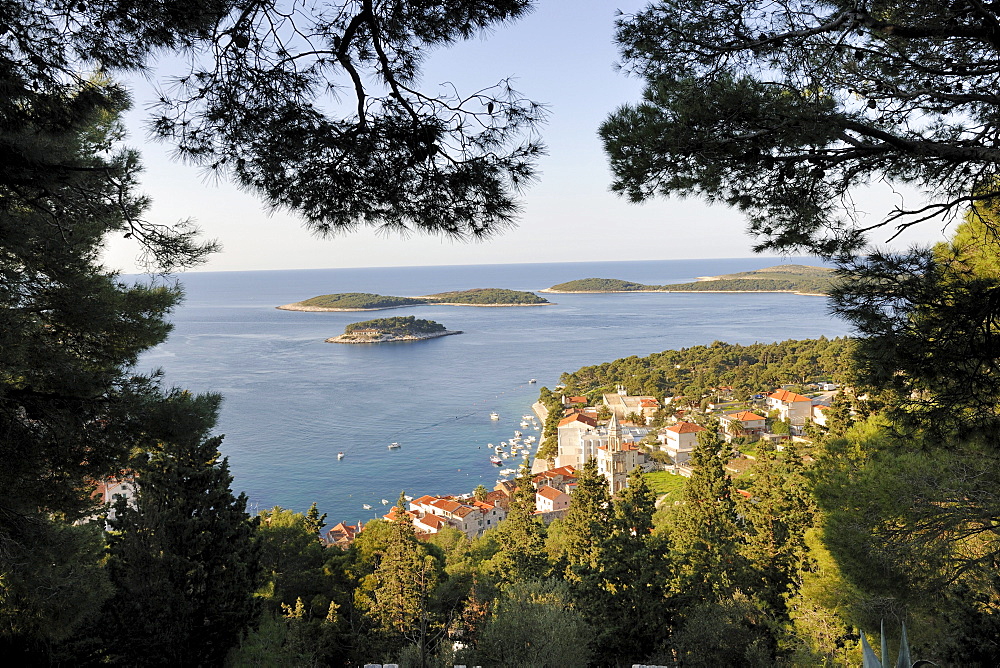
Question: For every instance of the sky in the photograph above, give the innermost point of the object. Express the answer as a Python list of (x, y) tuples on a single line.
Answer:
[(562, 55)]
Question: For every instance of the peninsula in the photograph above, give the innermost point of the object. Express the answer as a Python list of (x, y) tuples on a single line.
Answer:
[(796, 278), (387, 330), (363, 301)]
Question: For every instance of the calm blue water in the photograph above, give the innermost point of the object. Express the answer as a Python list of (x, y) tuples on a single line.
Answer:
[(292, 401)]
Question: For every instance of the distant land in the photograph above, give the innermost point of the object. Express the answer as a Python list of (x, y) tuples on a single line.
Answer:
[(797, 278), (363, 301), (387, 330)]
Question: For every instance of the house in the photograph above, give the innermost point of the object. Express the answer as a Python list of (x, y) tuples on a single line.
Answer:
[(429, 523), (549, 499), (679, 440), (793, 408), (568, 435), (574, 402), (742, 423), (106, 490), (819, 414), (468, 515), (342, 535), (559, 478)]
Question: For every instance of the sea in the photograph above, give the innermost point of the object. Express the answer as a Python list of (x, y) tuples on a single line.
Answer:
[(293, 402)]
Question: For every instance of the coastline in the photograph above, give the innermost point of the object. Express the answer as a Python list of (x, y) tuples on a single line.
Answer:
[(391, 339), (298, 306), (630, 292)]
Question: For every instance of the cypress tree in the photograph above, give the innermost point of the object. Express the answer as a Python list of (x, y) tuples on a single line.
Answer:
[(183, 559), (521, 538), (704, 535)]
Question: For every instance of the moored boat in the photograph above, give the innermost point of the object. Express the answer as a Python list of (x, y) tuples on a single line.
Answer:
[(494, 416), (394, 446), (496, 461), (340, 455)]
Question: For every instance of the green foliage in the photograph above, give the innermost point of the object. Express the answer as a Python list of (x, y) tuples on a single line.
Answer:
[(184, 560), (600, 285), (360, 300), (520, 539), (486, 296), (292, 560), (783, 114), (692, 371), (534, 625), (399, 326), (479, 296), (781, 278)]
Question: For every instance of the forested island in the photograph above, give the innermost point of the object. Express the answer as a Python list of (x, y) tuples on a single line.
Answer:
[(797, 278), (387, 330), (364, 301)]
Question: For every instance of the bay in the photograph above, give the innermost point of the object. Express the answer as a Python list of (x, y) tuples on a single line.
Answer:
[(292, 401)]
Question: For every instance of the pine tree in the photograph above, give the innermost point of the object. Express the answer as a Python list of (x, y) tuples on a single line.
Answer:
[(586, 522), (183, 559), (632, 575), (777, 516), (521, 538), (315, 521), (704, 534)]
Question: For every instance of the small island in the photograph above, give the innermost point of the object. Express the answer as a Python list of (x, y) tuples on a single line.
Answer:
[(363, 301), (796, 278), (387, 330)]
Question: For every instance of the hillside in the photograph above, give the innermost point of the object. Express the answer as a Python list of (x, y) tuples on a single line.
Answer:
[(364, 301), (803, 279)]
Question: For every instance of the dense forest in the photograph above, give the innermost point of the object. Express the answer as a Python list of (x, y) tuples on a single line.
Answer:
[(487, 297), (696, 372), (400, 326), (359, 300), (475, 297), (781, 278)]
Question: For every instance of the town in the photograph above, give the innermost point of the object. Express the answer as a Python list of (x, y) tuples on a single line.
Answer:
[(621, 432)]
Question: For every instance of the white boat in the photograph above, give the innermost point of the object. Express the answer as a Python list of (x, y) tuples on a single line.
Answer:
[(495, 460), (507, 471), (526, 417), (504, 455), (366, 506), (340, 455), (494, 416), (532, 381), (393, 446), (517, 434), (524, 424), (385, 502)]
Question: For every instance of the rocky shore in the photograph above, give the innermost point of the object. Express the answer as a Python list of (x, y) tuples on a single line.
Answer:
[(387, 338)]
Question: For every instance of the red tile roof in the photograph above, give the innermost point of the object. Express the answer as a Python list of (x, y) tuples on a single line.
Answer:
[(578, 400), (785, 395), (685, 428), (550, 493), (578, 417), (744, 416)]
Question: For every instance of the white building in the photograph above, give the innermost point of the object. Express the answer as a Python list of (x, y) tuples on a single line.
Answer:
[(679, 440)]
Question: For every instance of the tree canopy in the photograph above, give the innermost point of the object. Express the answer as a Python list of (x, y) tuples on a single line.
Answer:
[(785, 109)]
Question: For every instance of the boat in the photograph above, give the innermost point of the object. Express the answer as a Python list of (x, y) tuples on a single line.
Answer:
[(385, 502), (532, 381), (496, 461), (366, 506), (507, 471), (340, 455), (524, 424), (494, 416), (526, 417), (517, 434), (394, 446), (498, 449)]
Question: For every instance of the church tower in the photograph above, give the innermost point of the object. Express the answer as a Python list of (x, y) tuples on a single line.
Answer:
[(614, 435)]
